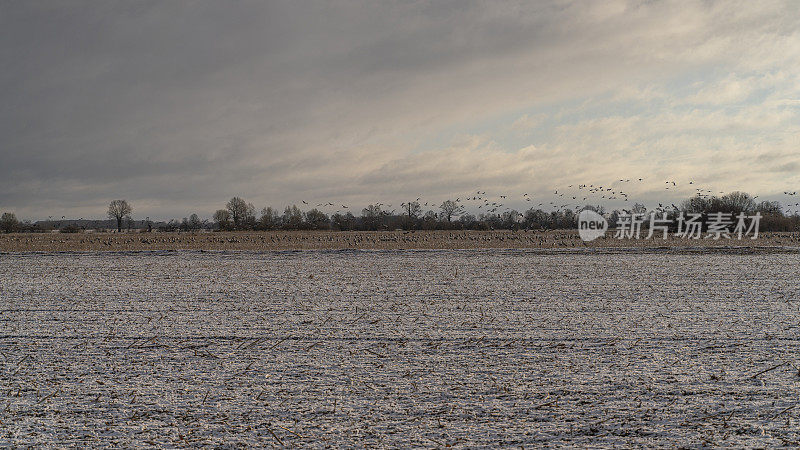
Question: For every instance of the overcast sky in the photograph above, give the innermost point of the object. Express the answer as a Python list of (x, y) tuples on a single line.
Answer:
[(178, 106)]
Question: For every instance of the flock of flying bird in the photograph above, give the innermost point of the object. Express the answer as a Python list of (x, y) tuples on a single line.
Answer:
[(575, 196)]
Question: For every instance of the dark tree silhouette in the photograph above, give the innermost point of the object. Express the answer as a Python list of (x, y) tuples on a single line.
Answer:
[(317, 220), (223, 219), (293, 218), (412, 210), (269, 219), (194, 222), (372, 217), (9, 222), (119, 210), (450, 208), (243, 214)]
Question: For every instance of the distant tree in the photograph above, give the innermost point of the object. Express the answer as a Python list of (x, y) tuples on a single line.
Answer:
[(599, 209), (536, 219), (293, 218), (317, 220), (242, 214), (467, 221), (769, 208), (569, 219), (9, 222), (511, 219), (343, 222), (613, 219), (170, 226), (194, 222), (223, 219), (269, 219), (119, 210), (372, 217), (411, 210), (450, 208), (735, 202), (429, 220), (556, 219), (71, 228), (696, 204)]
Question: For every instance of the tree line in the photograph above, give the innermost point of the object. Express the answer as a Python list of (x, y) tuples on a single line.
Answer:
[(238, 214), (451, 215)]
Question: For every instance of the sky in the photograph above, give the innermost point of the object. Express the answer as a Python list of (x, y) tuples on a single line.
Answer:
[(179, 106)]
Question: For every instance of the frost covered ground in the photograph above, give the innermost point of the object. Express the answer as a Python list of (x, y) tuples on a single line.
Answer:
[(400, 348), (263, 241)]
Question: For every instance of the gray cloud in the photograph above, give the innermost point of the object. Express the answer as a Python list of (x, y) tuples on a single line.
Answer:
[(178, 106)]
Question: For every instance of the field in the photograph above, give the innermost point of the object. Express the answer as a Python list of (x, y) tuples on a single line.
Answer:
[(400, 348), (365, 240)]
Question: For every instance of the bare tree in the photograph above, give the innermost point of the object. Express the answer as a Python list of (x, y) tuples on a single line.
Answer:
[(770, 208), (293, 218), (343, 221), (372, 217), (269, 219), (450, 208), (429, 220), (736, 202), (223, 219), (118, 210), (242, 213), (317, 220), (9, 222), (412, 211), (194, 222)]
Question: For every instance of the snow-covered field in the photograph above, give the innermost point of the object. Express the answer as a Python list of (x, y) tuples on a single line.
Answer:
[(400, 348)]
